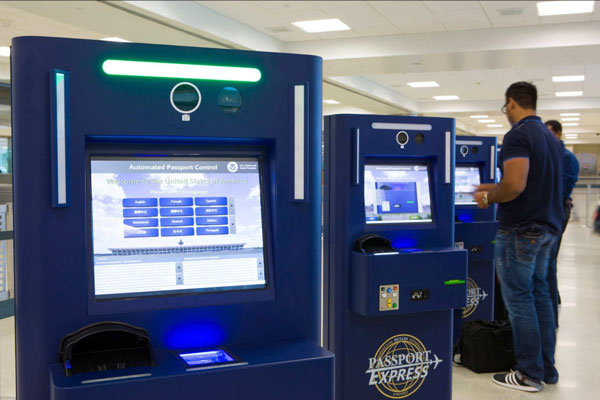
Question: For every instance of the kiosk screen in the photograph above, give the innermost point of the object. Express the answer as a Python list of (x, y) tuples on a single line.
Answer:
[(397, 194), (466, 181), (173, 225)]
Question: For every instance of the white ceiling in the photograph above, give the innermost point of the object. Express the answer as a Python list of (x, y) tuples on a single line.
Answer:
[(473, 49)]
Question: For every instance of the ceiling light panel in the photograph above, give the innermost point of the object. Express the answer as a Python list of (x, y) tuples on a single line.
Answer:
[(568, 78), (483, 121), (4, 51), (570, 114), (495, 126), (571, 124), (478, 116), (423, 84), (570, 119), (446, 98), (569, 94), (331, 102), (547, 8), (321, 25)]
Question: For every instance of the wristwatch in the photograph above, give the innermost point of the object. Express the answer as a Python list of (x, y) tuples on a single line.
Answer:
[(484, 199)]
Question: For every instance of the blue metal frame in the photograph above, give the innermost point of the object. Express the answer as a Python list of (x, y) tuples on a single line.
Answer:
[(475, 230), (424, 260), (275, 331)]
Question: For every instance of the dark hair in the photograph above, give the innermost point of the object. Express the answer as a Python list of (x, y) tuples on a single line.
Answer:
[(555, 125), (524, 93)]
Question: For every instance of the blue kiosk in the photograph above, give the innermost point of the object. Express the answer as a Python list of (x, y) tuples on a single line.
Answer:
[(392, 273), (476, 227), (155, 188)]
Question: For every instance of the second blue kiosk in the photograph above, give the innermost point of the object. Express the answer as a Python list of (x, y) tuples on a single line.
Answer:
[(476, 227), (392, 274)]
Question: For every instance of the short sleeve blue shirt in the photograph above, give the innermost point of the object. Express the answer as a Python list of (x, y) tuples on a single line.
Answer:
[(541, 201)]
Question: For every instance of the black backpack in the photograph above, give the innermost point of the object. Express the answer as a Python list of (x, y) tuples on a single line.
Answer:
[(487, 346)]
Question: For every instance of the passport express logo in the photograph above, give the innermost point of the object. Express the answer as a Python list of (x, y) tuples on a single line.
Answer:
[(475, 295), (400, 366)]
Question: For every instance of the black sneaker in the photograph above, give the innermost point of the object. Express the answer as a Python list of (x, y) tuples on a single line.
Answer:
[(516, 380)]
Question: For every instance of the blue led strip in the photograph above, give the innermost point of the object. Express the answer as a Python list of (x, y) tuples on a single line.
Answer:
[(59, 137)]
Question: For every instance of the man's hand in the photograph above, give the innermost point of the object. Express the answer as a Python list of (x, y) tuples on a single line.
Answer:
[(479, 199)]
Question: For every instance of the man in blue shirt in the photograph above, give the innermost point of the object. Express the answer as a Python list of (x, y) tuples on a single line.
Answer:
[(570, 177), (530, 215)]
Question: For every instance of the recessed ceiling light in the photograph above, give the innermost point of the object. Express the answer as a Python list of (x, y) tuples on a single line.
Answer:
[(423, 84), (569, 94), (331, 102), (570, 119), (546, 8), (321, 25), (4, 51), (478, 116), (570, 114), (483, 121), (571, 135), (494, 126), (571, 124), (449, 97), (568, 78), (115, 39)]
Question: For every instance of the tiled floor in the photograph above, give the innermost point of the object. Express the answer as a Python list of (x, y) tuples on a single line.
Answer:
[(578, 346), (578, 349)]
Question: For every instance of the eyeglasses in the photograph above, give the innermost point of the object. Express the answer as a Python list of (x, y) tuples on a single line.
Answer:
[(503, 109)]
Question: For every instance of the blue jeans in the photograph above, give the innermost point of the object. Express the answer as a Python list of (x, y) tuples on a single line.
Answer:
[(522, 265)]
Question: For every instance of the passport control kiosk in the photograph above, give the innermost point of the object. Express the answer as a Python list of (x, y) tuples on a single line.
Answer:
[(154, 188), (392, 273), (475, 227)]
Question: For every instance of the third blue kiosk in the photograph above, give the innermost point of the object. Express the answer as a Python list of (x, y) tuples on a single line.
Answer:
[(154, 188), (476, 227), (392, 273)]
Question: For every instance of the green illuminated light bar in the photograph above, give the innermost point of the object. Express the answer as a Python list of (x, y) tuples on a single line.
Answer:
[(454, 282), (184, 71)]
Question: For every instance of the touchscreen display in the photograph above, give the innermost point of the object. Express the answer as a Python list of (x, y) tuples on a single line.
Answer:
[(397, 194), (466, 180), (166, 226)]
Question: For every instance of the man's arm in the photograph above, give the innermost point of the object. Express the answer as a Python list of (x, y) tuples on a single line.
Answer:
[(510, 187)]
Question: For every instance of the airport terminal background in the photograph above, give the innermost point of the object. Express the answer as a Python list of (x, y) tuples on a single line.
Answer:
[(430, 58)]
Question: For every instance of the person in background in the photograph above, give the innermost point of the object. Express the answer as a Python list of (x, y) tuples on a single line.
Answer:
[(570, 177), (529, 198)]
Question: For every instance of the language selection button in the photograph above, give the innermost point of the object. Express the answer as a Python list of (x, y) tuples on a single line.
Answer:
[(176, 201), (141, 222), (177, 221), (211, 210), (217, 230), (134, 233), (177, 231), (176, 211), (211, 201), (140, 212), (140, 202), (211, 221)]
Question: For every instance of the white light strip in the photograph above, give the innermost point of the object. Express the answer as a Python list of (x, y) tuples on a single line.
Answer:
[(570, 119), (61, 151), (391, 253), (484, 121), (401, 127), (357, 144), (4, 51), (469, 142), (570, 114), (299, 142), (478, 116), (492, 162), (448, 160), (446, 98)]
